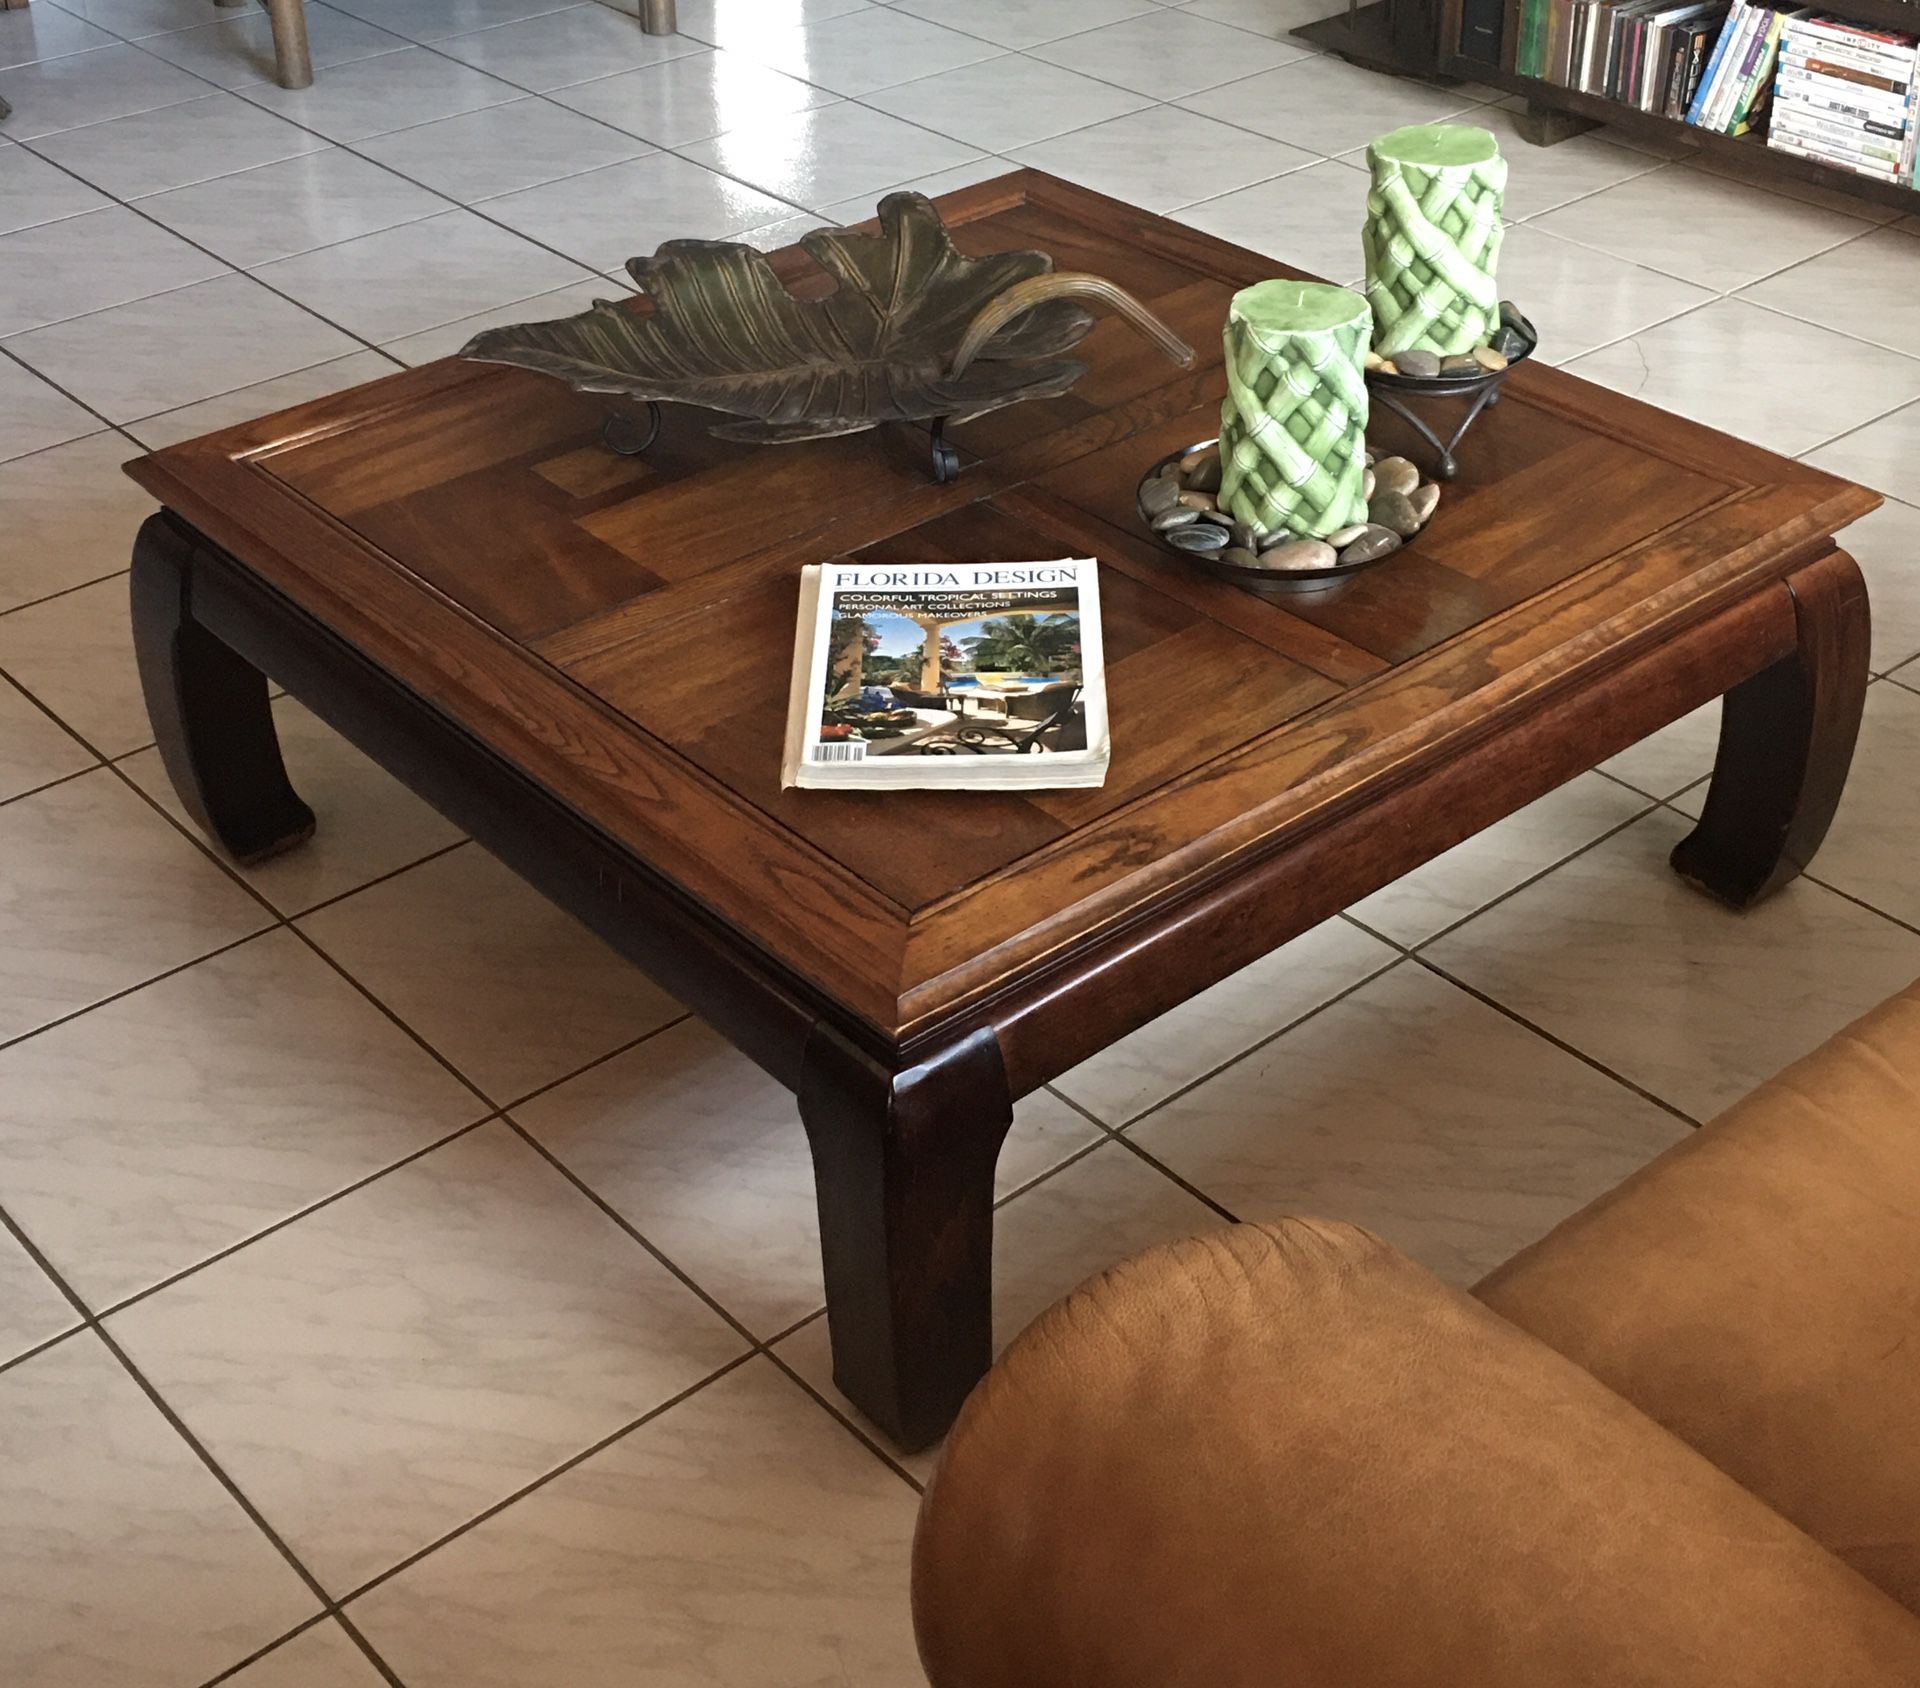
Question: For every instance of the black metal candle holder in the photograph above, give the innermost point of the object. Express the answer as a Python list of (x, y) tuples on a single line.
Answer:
[(1480, 388)]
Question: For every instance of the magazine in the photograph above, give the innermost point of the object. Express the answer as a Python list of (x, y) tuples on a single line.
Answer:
[(957, 675)]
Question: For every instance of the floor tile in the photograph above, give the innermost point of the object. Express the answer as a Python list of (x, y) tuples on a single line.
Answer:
[(1277, 18), (90, 87), (320, 1657), (1665, 763), (1733, 163), (861, 52), (34, 191), (1163, 158), (34, 749), (1581, 299), (1419, 1113), (394, 1362), (34, 33), (420, 275), (123, 1558), (449, 337), (541, 996), (1865, 288), (1702, 365), (140, 1139), (75, 654), (729, 23), (105, 895), (1020, 23), (1006, 102), (816, 158), (239, 49), (1491, 863), (809, 1352), (606, 216), (1701, 228), (692, 98), (135, 20), (263, 398), (177, 145), (1884, 454), (1307, 218), (560, 48), (273, 212), (435, 20), (704, 1155), (1190, 1041), (1327, 106), (32, 1312), (502, 148), (1540, 178), (375, 96), (34, 415), (369, 824), (1869, 854), (177, 348), (861, 207), (71, 517), (1165, 54), (742, 1539), (1612, 953), (103, 258), (1886, 545)]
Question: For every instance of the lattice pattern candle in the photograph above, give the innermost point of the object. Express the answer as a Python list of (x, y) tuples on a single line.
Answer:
[(1294, 423), (1432, 238)]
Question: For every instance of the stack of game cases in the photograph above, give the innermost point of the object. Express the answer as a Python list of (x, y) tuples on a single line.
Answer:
[(1732, 95), (1845, 95)]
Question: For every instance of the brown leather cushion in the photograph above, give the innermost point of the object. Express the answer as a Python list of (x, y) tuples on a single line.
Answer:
[(1757, 1291), (1286, 1457)]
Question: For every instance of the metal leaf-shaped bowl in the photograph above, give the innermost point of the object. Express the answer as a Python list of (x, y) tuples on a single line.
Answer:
[(913, 332)]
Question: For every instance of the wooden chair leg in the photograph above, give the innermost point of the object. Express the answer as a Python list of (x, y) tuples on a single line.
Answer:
[(292, 60)]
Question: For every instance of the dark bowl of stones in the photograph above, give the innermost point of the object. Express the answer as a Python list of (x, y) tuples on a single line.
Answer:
[(1179, 506), (1475, 376)]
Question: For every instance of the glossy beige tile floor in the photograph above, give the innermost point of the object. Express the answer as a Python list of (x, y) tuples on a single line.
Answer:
[(394, 1287)]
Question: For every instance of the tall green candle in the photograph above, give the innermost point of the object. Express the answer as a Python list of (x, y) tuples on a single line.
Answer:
[(1432, 238), (1293, 425)]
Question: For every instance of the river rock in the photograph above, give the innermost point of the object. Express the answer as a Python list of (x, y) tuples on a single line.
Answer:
[(1170, 520), (1460, 364), (1367, 483), (1299, 554), (1202, 536), (1394, 510), (1394, 474), (1240, 557), (1200, 470), (1488, 357), (1375, 360), (1425, 500), (1159, 496), (1373, 543), (1346, 535), (1422, 366), (1198, 500), (1219, 516), (1243, 535)]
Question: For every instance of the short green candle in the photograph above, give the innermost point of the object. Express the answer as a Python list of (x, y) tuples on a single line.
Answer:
[(1432, 238), (1294, 424)]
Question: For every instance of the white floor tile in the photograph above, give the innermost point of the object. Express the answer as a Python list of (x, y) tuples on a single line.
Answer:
[(71, 517), (1869, 854), (861, 207), (90, 87), (1165, 54), (1328, 106), (320, 1657), (34, 191), (1665, 763), (860, 52), (1886, 545), (1541, 178), (34, 749), (56, 271), (1580, 299), (435, 20), (449, 337), (561, 48), (34, 415), (730, 23), (817, 158), (1868, 287), (239, 49), (1002, 103), (1734, 164), (692, 98), (33, 33), (32, 1310), (1884, 454), (1021, 23), (502, 148), (136, 20), (177, 145), (75, 654), (1307, 218), (1275, 18), (262, 398), (378, 95)]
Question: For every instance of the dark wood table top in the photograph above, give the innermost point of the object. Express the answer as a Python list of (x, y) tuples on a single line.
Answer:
[(621, 628)]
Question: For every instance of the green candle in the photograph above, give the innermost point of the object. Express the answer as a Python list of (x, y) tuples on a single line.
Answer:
[(1294, 423), (1432, 238)]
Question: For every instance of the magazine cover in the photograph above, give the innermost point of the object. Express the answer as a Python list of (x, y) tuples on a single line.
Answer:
[(983, 675)]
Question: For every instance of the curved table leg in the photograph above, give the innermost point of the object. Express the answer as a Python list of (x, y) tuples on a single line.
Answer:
[(208, 706), (1786, 740)]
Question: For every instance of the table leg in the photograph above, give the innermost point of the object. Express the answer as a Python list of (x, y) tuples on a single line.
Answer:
[(208, 706), (1786, 740), (903, 1165)]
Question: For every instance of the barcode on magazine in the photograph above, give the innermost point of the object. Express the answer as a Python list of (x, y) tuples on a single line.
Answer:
[(839, 752)]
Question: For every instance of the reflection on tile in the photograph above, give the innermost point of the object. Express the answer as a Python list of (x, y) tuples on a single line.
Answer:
[(33, 33), (1418, 1112), (1873, 276), (1612, 953), (320, 1657), (1307, 218), (124, 1560), (434, 20), (1020, 23), (604, 217), (1329, 106), (1579, 298), (862, 51), (1702, 366), (34, 415), (1869, 854), (1166, 54), (321, 199), (419, 275), (540, 996), (32, 190), (1006, 102), (104, 895), (179, 1120), (741, 1538), (692, 98), (704, 1155), (1155, 158), (263, 398), (1471, 875), (375, 96), (58, 270), (91, 87), (32, 1310), (816, 158), (729, 23), (239, 49), (1885, 454), (1190, 1041), (33, 749), (369, 823), (374, 1374), (180, 347), (1702, 228), (559, 48), (75, 654), (1733, 163), (71, 517), (176, 145), (502, 148), (861, 207), (1670, 760), (449, 337)]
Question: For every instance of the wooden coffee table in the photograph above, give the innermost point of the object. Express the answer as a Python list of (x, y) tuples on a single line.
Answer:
[(582, 659)]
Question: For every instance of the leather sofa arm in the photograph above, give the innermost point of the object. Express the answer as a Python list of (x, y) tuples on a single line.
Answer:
[(1286, 1456)]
